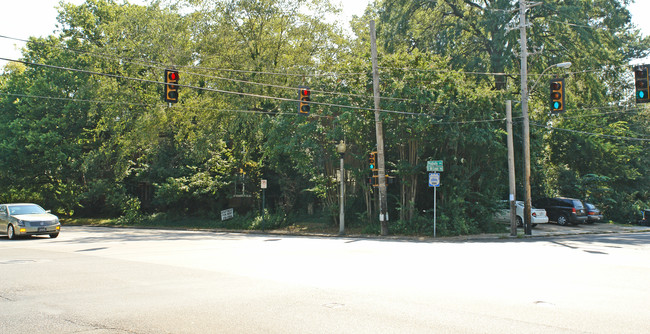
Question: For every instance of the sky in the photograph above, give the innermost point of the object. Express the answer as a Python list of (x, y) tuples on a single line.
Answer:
[(25, 18)]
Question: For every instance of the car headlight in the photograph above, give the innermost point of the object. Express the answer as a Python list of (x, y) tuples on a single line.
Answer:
[(20, 222)]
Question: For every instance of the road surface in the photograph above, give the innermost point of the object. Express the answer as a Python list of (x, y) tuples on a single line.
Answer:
[(104, 280)]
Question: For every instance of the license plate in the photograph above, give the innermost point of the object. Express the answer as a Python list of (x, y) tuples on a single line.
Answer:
[(42, 229)]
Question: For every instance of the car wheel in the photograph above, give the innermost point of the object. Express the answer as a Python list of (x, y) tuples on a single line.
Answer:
[(11, 233), (54, 235), (520, 223), (562, 220)]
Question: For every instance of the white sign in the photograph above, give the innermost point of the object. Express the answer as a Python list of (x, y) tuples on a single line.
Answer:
[(263, 185), (434, 179), (227, 214)]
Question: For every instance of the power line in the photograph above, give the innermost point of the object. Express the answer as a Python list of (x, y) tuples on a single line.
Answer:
[(231, 110), (131, 60), (590, 133), (151, 105), (627, 110), (158, 65), (74, 99), (572, 24), (243, 94), (115, 76)]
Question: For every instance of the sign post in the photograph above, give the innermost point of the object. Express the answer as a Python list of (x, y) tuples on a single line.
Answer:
[(434, 182), (263, 186)]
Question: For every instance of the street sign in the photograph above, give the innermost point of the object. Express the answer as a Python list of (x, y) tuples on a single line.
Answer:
[(263, 184), (435, 166), (434, 179)]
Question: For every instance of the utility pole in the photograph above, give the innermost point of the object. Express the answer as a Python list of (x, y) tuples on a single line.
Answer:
[(524, 113), (511, 171), (383, 202)]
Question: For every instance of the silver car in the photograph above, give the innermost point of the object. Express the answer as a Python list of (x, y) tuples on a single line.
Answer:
[(24, 219)]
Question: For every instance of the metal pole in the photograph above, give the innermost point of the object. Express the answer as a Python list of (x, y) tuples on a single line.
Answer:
[(383, 201), (511, 171), (524, 112), (434, 210), (342, 200)]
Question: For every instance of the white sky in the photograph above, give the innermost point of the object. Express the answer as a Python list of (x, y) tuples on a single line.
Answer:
[(25, 18)]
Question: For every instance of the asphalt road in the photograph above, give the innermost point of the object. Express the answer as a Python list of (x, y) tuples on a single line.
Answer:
[(101, 280)]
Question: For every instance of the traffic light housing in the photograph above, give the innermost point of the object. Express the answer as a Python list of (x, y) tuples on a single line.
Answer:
[(305, 98), (372, 161), (641, 83), (171, 86), (557, 96), (374, 180)]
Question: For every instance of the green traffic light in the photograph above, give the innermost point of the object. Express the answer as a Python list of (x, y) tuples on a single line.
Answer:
[(556, 105), (641, 94)]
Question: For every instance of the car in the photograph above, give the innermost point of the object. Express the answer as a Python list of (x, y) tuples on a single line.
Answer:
[(645, 218), (563, 210), (537, 216), (593, 214), (26, 219)]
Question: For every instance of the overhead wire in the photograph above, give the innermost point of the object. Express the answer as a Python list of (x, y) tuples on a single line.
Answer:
[(158, 65), (248, 94), (590, 133), (146, 104), (115, 76)]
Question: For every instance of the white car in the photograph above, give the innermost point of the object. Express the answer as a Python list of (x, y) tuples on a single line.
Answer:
[(537, 216)]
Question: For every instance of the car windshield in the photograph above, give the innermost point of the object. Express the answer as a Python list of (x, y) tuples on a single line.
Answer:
[(26, 209), (578, 205)]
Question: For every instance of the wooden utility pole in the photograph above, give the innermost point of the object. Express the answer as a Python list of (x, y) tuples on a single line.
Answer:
[(524, 114), (383, 198), (511, 172)]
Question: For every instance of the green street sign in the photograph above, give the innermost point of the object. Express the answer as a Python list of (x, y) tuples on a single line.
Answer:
[(435, 166)]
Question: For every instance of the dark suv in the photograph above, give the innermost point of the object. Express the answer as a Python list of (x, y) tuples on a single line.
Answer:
[(563, 210)]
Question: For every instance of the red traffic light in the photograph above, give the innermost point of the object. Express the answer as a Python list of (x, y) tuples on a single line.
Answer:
[(304, 96), (172, 76), (171, 86)]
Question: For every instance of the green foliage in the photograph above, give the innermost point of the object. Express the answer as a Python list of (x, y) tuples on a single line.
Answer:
[(93, 145)]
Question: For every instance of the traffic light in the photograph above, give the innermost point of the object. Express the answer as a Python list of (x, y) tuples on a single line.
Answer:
[(641, 84), (171, 86), (557, 96), (374, 180), (305, 97), (372, 161)]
